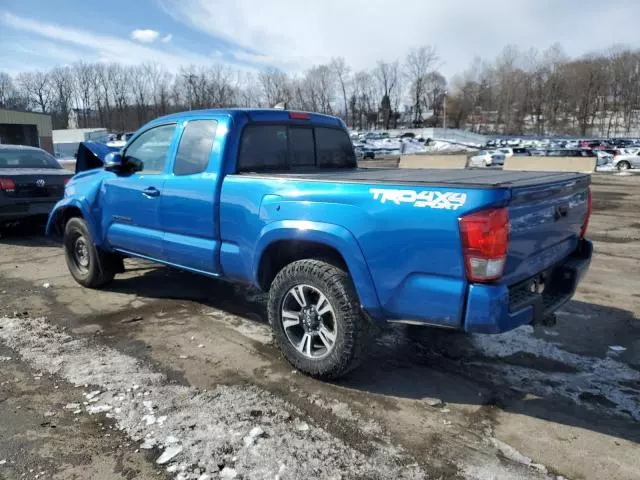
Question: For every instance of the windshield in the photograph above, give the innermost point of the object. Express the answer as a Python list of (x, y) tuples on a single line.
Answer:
[(26, 158)]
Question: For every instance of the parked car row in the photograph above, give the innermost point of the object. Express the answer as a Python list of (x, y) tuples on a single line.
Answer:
[(555, 143), (620, 158)]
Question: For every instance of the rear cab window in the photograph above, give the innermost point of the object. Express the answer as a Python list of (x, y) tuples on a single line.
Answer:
[(288, 147)]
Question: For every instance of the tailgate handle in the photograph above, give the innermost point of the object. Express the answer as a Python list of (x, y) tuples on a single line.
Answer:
[(561, 211)]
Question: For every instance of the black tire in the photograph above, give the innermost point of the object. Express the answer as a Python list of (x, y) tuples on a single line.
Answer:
[(95, 268), (353, 329), (623, 166)]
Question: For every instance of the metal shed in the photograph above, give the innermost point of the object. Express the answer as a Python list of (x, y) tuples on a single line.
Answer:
[(26, 128)]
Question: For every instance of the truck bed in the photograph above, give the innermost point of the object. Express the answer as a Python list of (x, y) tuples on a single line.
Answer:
[(455, 178)]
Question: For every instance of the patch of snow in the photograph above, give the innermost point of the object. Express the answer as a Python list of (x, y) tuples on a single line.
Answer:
[(148, 443), (594, 377), (228, 473), (254, 434), (169, 454), (511, 453), (210, 424), (93, 409), (617, 348), (149, 419), (92, 395)]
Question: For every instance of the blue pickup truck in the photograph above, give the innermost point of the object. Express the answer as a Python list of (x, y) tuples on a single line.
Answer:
[(275, 198)]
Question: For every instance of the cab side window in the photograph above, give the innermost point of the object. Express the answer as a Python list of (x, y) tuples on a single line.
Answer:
[(148, 152), (195, 147)]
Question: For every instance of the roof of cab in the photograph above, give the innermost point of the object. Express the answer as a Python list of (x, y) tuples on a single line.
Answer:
[(253, 114)]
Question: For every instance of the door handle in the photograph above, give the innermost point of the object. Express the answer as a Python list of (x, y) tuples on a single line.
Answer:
[(151, 192)]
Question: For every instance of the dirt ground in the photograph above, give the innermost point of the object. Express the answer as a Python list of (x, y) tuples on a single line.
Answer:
[(544, 403)]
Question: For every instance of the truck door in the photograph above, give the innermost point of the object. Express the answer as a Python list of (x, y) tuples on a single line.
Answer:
[(131, 202), (189, 206)]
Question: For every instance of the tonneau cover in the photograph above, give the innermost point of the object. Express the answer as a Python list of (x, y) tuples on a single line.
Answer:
[(469, 177)]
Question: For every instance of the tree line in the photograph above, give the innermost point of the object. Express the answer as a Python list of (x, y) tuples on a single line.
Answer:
[(518, 92), (550, 93)]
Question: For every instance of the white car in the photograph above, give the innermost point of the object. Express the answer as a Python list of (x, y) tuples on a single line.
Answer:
[(626, 161), (486, 158), (507, 152), (480, 159)]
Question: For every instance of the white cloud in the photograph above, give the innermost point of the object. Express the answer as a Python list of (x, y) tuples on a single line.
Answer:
[(298, 34), (252, 58), (144, 35), (167, 38), (76, 44)]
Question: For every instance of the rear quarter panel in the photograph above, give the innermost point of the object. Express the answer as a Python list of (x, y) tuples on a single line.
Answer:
[(407, 235)]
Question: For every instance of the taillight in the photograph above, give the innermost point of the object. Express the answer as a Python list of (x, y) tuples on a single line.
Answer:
[(585, 224), (7, 184), (485, 241), (66, 180)]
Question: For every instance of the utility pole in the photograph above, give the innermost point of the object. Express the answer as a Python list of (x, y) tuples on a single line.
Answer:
[(444, 110)]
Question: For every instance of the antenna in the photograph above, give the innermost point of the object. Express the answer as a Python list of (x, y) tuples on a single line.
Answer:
[(281, 106)]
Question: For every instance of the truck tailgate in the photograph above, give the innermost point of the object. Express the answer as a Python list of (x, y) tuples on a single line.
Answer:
[(546, 220)]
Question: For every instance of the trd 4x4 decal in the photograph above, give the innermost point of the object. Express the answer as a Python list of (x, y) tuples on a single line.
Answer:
[(425, 198)]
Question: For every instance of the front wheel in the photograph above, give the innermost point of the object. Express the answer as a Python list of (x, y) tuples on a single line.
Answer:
[(89, 266), (624, 166), (316, 319)]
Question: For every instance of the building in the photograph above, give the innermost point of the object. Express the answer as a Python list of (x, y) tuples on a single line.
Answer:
[(26, 128), (66, 142)]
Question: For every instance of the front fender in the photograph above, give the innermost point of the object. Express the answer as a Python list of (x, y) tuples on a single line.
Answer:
[(58, 212), (334, 236)]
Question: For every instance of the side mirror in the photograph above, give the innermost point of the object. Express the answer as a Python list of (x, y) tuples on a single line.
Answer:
[(113, 162)]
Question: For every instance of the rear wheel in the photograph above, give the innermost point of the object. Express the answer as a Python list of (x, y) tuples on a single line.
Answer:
[(316, 319), (624, 165), (88, 265)]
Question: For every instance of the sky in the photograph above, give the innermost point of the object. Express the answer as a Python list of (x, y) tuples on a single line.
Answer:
[(293, 35)]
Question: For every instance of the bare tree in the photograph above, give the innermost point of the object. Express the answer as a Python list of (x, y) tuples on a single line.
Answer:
[(37, 88), (435, 86), (10, 97), (275, 86), (84, 74), (342, 73), (365, 104), (248, 90), (63, 86), (140, 89), (386, 75), (419, 63)]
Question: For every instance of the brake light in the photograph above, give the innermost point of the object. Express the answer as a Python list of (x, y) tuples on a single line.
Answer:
[(585, 225), (7, 184), (485, 241), (299, 116), (66, 180)]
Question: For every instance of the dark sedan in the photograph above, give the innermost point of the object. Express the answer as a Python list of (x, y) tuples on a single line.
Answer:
[(31, 182)]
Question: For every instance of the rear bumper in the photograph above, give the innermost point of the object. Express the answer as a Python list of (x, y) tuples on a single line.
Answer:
[(498, 308), (17, 210)]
